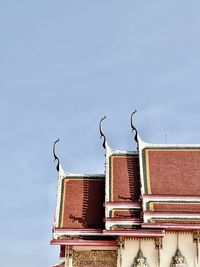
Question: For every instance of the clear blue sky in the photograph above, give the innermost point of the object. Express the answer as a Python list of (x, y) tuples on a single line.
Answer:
[(63, 65)]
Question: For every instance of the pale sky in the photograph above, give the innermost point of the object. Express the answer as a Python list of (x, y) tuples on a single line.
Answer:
[(65, 64)]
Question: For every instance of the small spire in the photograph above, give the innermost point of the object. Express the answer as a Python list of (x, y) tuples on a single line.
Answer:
[(140, 254), (140, 260), (139, 243), (55, 156), (101, 132), (134, 129), (178, 260)]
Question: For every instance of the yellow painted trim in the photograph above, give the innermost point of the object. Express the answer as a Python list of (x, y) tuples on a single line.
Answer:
[(63, 198), (147, 172)]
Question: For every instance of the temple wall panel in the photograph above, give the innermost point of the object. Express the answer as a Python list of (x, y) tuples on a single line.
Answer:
[(130, 251), (93, 257), (186, 247)]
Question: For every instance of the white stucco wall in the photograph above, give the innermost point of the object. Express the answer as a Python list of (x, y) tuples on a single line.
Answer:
[(186, 246), (131, 246)]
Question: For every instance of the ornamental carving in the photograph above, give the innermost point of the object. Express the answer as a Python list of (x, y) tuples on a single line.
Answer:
[(99, 258), (178, 260), (140, 260)]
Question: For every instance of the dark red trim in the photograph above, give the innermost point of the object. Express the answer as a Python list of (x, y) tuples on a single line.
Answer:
[(81, 242), (124, 204), (172, 226), (59, 264), (121, 219), (135, 233), (84, 231), (175, 197), (170, 213)]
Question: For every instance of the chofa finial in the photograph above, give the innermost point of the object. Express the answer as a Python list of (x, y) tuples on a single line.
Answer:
[(55, 156), (133, 128), (101, 132)]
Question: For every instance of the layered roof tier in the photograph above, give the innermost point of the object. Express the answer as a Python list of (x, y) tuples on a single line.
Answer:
[(141, 194)]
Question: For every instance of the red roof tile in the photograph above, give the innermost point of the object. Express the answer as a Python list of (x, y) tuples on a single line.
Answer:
[(182, 207), (82, 203), (125, 181), (172, 171)]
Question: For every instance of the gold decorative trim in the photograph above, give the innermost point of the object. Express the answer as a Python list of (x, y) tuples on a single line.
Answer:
[(95, 258)]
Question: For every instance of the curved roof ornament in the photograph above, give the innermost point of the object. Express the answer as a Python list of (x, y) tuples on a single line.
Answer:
[(133, 128), (55, 156), (101, 132)]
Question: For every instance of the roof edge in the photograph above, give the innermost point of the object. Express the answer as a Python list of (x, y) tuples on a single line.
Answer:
[(143, 144)]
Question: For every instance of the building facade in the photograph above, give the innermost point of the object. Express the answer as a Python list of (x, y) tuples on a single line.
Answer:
[(143, 211)]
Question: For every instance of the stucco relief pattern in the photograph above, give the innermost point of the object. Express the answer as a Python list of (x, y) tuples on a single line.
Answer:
[(95, 258)]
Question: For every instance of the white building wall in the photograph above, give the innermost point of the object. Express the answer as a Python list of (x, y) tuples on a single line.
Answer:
[(131, 246), (186, 246)]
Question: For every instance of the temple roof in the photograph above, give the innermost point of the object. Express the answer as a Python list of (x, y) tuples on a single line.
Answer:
[(170, 183), (155, 187), (170, 169), (81, 199), (124, 177)]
